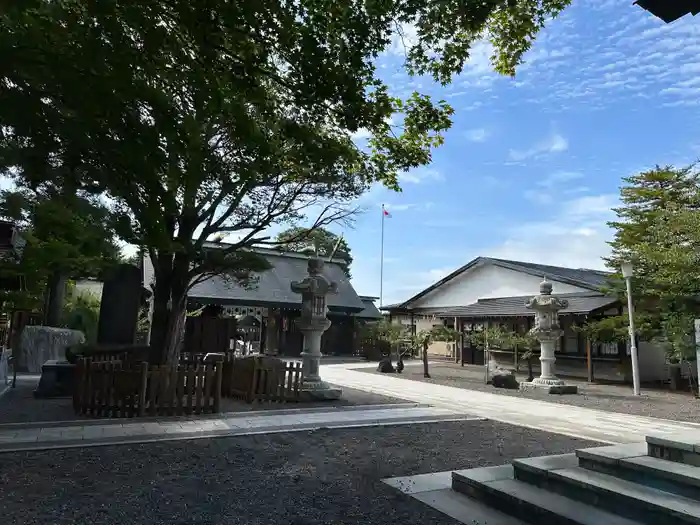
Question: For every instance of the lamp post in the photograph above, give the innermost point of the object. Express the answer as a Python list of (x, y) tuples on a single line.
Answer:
[(627, 272)]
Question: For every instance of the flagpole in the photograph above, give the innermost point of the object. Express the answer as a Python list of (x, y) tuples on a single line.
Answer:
[(381, 264)]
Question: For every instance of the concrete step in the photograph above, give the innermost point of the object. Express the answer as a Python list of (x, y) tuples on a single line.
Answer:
[(679, 448), (631, 462), (641, 503), (497, 487)]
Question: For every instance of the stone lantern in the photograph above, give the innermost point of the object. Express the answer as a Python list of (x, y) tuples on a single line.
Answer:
[(312, 323), (547, 331)]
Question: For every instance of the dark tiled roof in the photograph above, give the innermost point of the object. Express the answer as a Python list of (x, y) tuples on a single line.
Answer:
[(583, 278), (370, 311), (579, 303), (273, 286)]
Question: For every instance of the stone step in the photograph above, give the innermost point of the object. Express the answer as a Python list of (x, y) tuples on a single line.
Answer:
[(679, 448), (497, 487), (644, 504), (632, 463)]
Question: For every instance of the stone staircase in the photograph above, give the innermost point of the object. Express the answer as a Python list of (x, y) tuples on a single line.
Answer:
[(654, 483)]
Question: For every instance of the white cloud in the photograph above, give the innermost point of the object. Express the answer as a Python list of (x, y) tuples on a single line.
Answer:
[(559, 177), (574, 237), (477, 134), (420, 175), (554, 143)]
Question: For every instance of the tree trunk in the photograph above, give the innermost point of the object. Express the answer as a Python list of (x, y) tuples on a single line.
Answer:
[(54, 299), (426, 374), (169, 310), (530, 375)]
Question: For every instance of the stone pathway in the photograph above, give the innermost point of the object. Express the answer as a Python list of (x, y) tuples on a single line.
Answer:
[(596, 425), (71, 434)]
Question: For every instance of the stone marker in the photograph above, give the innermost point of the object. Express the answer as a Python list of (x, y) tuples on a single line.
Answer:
[(547, 331), (312, 323), (38, 344), (119, 308)]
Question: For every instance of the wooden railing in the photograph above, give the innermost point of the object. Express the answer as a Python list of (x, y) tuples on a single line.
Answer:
[(261, 379), (110, 389)]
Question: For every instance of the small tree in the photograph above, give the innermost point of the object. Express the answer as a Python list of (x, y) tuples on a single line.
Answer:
[(392, 334), (424, 338), (319, 241), (529, 344)]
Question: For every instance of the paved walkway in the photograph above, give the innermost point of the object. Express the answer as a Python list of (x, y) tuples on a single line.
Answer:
[(570, 420), (38, 436)]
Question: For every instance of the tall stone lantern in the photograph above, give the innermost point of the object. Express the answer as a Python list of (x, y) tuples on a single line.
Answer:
[(547, 331), (313, 322)]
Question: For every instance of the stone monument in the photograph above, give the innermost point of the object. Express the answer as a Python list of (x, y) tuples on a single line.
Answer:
[(547, 331), (119, 308), (312, 324)]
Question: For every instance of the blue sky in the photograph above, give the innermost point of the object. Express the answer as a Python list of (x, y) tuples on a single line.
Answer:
[(532, 165)]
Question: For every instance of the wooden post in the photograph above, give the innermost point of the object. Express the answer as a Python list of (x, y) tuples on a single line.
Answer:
[(589, 360), (461, 342), (217, 387), (457, 352), (143, 387)]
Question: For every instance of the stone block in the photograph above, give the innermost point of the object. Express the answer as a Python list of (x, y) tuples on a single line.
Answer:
[(385, 366), (504, 379), (56, 380), (39, 344), (549, 389)]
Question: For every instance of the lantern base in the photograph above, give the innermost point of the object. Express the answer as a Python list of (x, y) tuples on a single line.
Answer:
[(556, 386)]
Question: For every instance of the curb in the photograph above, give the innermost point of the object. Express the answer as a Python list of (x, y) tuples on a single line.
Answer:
[(9, 427), (309, 427)]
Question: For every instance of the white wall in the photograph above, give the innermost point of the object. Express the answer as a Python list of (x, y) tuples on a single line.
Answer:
[(487, 281), (91, 287), (148, 273)]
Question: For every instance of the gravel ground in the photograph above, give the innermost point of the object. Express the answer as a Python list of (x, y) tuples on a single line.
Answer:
[(323, 477), (19, 405), (611, 398)]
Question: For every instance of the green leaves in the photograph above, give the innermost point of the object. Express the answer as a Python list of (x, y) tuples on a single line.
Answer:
[(316, 241), (228, 118), (659, 231)]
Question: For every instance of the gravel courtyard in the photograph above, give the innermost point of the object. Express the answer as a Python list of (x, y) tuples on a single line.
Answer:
[(311, 478), (611, 398)]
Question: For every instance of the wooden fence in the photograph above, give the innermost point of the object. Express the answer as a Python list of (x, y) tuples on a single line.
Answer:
[(109, 389), (261, 379), (209, 334)]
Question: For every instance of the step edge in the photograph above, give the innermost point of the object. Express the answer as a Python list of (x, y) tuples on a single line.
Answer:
[(673, 443), (567, 507), (568, 476)]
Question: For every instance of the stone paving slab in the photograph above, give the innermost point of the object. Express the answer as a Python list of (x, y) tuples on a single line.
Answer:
[(595, 425), (138, 431)]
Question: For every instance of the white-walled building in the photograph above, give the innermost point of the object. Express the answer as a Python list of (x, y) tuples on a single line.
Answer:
[(493, 292)]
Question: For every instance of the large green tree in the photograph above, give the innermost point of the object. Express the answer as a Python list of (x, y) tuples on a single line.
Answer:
[(69, 236), (318, 241), (658, 231), (205, 118)]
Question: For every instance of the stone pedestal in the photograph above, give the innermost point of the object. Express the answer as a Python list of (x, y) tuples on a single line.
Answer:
[(56, 379), (312, 323), (313, 388), (547, 331)]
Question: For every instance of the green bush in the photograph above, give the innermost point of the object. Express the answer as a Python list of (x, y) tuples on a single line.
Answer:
[(82, 312)]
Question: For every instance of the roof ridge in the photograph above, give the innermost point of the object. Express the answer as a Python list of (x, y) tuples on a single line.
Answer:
[(568, 268)]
